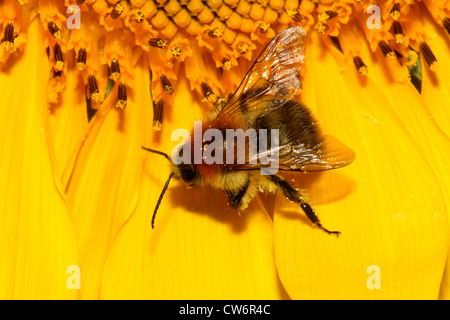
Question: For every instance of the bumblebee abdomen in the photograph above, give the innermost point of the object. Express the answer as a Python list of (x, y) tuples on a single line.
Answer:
[(295, 123)]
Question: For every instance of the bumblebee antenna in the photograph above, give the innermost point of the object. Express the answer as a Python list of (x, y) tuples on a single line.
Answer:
[(165, 186), (157, 152), (160, 199)]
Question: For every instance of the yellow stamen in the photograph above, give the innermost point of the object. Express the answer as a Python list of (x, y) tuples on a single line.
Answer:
[(215, 33), (326, 16), (263, 27), (176, 51), (395, 11), (158, 43), (139, 17), (242, 47), (322, 28), (226, 63), (117, 10)]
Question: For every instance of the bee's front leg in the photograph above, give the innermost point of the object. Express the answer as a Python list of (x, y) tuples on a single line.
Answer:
[(296, 197)]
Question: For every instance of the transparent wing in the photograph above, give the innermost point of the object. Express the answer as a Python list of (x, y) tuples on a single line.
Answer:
[(329, 153), (274, 74), (265, 99)]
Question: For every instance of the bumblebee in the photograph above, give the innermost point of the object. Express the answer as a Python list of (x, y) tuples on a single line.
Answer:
[(266, 99)]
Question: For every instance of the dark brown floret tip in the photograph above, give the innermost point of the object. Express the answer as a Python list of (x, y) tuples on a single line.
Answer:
[(158, 43), (9, 33), (58, 57), (158, 114), (54, 30), (386, 50), (81, 59), (117, 11), (360, 65), (428, 55), (122, 96), (166, 85)]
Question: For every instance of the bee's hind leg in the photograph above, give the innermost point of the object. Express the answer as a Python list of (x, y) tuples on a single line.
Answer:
[(296, 197), (237, 200)]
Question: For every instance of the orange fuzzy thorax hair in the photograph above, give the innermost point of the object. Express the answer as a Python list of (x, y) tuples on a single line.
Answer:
[(206, 170)]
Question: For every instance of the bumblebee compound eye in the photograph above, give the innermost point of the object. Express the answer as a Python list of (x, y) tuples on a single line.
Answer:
[(188, 174)]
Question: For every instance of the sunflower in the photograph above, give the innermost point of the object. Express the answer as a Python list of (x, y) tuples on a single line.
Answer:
[(85, 84)]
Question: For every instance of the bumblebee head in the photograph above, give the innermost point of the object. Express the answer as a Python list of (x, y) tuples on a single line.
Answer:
[(186, 173), (183, 168)]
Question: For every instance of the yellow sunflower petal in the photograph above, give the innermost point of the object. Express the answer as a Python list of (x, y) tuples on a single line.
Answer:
[(435, 94), (387, 204), (200, 248), (435, 85), (68, 118), (37, 240), (106, 175), (422, 116)]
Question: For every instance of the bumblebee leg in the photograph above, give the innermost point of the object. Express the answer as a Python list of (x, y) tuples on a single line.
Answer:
[(296, 197), (236, 197)]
